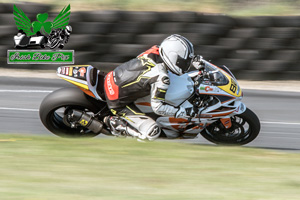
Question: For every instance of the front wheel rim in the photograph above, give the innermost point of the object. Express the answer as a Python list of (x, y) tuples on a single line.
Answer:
[(239, 131)]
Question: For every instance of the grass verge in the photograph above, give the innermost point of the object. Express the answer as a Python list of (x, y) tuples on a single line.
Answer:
[(44, 168)]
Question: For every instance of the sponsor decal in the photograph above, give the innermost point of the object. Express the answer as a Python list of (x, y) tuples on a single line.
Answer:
[(83, 122), (82, 71), (166, 80), (39, 34), (111, 89), (75, 71), (207, 88), (71, 71), (63, 70), (109, 85)]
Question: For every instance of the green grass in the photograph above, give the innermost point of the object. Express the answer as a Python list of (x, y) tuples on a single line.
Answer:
[(46, 168), (272, 10)]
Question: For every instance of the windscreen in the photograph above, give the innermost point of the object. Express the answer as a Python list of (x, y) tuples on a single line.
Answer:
[(215, 76)]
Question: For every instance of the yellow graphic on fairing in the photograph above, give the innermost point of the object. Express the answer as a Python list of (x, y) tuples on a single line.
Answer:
[(232, 87), (77, 84)]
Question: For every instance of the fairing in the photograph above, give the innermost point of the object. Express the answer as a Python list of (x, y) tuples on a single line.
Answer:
[(224, 89), (81, 76)]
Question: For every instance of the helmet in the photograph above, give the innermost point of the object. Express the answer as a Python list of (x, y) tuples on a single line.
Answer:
[(68, 29), (177, 52)]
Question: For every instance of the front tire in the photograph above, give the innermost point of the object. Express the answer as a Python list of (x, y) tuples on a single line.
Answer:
[(55, 105), (245, 128)]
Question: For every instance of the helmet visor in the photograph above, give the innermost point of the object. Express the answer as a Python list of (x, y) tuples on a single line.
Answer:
[(184, 63)]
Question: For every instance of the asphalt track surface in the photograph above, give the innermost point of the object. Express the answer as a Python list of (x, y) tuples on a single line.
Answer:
[(279, 112)]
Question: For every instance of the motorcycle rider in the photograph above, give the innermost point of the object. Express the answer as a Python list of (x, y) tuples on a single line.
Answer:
[(63, 35), (144, 75)]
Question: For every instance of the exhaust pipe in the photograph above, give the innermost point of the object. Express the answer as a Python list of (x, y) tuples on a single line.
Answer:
[(87, 121)]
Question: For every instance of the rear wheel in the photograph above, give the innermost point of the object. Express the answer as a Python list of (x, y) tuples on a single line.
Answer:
[(56, 122), (245, 128), (56, 105)]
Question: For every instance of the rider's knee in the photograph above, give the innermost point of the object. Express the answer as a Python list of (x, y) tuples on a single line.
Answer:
[(149, 129), (146, 126)]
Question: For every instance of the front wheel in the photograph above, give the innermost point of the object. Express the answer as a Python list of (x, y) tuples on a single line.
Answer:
[(245, 128)]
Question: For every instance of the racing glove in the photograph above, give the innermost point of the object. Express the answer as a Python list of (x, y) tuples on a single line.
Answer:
[(197, 61), (184, 112)]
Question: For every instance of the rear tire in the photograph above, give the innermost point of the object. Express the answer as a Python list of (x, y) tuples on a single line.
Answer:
[(245, 128), (52, 110)]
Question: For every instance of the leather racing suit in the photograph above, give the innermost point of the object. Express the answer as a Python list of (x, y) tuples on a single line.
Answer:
[(137, 78)]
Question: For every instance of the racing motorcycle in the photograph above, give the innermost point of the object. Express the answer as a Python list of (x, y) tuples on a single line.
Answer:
[(212, 91), (59, 37)]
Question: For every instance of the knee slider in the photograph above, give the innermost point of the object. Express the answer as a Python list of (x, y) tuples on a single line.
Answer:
[(145, 127), (150, 129)]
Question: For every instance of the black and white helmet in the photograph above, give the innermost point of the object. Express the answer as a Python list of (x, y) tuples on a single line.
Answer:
[(68, 30), (177, 53)]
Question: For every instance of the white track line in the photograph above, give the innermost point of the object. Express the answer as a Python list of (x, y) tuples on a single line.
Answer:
[(282, 123), (36, 110), (19, 109), (28, 91), (281, 133)]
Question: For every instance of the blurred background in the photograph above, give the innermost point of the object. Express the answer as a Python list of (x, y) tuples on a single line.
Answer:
[(257, 39)]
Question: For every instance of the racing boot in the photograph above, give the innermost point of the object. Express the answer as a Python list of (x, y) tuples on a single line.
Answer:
[(116, 125), (119, 127)]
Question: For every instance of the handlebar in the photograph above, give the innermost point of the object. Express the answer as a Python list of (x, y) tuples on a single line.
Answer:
[(208, 72)]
